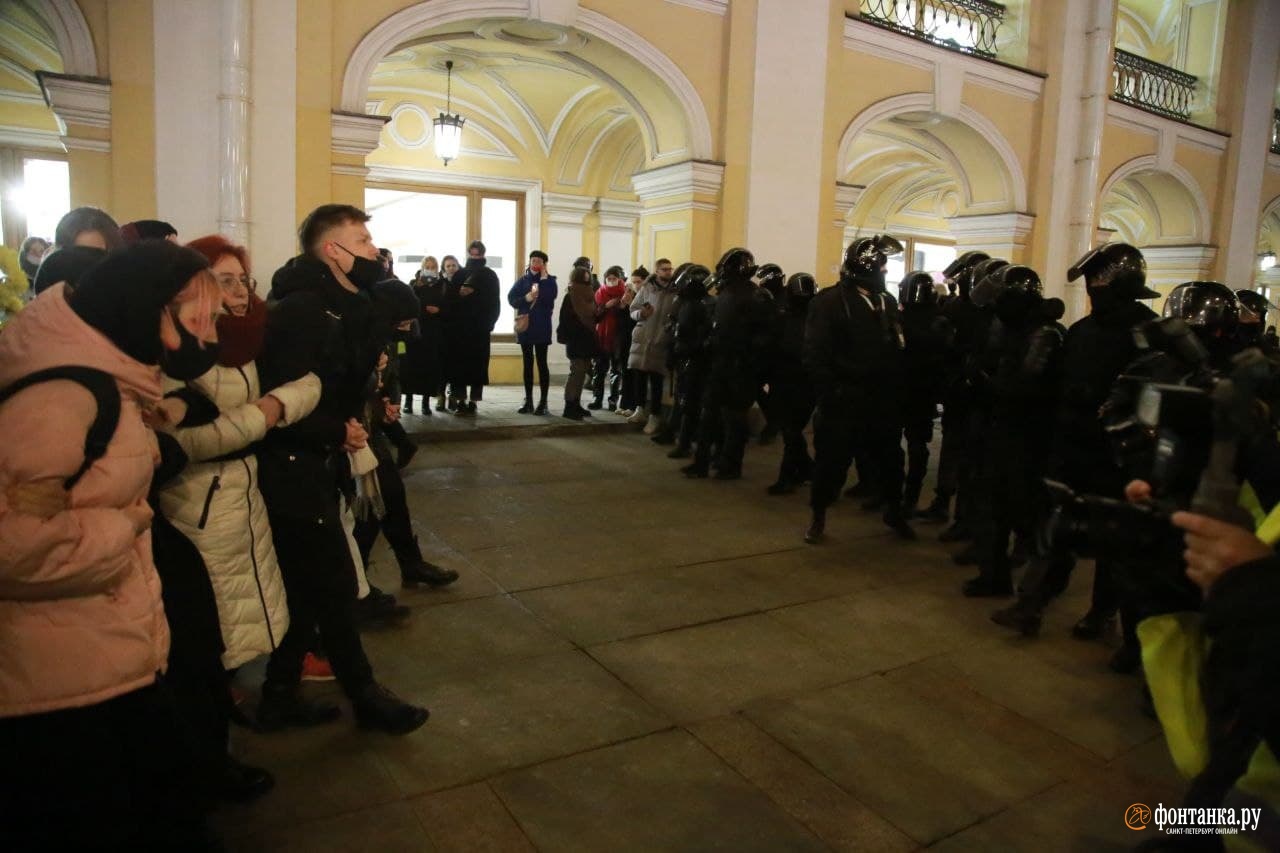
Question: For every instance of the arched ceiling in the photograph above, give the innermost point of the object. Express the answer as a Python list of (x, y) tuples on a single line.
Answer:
[(555, 103), (27, 45), (919, 170), (1151, 208), (1149, 28)]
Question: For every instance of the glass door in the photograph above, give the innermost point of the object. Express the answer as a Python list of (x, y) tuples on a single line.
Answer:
[(414, 222)]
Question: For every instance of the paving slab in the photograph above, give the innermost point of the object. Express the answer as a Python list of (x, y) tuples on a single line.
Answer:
[(662, 792)]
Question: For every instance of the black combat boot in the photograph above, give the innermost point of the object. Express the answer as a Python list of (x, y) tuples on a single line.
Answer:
[(379, 709)]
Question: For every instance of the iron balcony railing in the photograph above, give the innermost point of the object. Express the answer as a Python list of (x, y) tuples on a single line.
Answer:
[(1151, 86), (967, 26), (1275, 132)]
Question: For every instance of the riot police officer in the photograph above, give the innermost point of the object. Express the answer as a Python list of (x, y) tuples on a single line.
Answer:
[(790, 390), (1253, 319), (1024, 389), (928, 336), (1095, 351), (689, 349), (743, 327), (773, 281), (853, 350), (968, 324)]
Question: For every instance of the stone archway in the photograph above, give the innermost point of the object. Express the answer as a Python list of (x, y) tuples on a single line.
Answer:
[(1162, 211), (905, 168)]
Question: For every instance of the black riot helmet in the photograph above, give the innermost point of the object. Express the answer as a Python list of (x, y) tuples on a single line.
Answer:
[(735, 265), (985, 287), (959, 272), (1254, 307), (1208, 307), (772, 279), (917, 289), (866, 257), (1020, 292), (1117, 267), (801, 287), (691, 284)]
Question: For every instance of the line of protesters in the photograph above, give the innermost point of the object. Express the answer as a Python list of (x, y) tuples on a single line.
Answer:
[(192, 478)]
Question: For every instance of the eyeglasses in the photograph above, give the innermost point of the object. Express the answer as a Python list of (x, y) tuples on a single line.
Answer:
[(227, 281)]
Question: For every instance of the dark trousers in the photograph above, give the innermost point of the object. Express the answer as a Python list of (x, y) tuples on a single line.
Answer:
[(953, 458), (691, 382), (459, 391), (793, 409), (1013, 468), (528, 353), (918, 433), (973, 486), (395, 523), (608, 369), (117, 775), (320, 582), (396, 431), (839, 432), (649, 390)]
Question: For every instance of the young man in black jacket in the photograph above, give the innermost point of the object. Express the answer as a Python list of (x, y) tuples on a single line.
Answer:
[(321, 321), (853, 349)]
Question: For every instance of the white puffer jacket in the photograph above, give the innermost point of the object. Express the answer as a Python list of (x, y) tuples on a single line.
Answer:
[(217, 505)]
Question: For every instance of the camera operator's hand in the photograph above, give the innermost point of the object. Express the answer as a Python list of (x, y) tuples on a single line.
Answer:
[(1215, 547)]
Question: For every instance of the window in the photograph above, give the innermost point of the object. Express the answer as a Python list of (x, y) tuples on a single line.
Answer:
[(414, 223), (37, 193), (927, 257)]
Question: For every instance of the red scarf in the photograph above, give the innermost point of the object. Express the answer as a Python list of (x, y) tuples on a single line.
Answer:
[(240, 338)]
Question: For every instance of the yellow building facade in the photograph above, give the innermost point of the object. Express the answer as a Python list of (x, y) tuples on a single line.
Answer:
[(626, 130)]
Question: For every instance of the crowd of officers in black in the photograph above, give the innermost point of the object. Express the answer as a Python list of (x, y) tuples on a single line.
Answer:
[(1021, 397)]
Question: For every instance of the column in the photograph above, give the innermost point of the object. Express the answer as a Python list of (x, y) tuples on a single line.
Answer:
[(785, 171), (1071, 186), (617, 234), (273, 137), (1250, 144), (83, 109), (188, 162), (564, 214), (233, 120)]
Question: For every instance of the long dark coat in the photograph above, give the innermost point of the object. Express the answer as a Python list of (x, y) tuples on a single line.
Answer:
[(422, 368)]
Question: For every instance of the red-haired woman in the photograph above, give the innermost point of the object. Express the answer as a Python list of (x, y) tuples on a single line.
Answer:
[(95, 753)]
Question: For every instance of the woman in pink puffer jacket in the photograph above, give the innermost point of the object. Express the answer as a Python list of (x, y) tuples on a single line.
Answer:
[(92, 748)]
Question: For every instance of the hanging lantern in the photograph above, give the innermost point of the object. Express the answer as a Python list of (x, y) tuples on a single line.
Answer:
[(448, 125)]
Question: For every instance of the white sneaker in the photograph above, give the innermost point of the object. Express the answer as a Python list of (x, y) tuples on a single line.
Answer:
[(626, 413), (654, 424), (639, 416)]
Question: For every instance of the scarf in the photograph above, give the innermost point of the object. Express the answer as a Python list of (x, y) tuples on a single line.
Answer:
[(583, 299), (240, 338)]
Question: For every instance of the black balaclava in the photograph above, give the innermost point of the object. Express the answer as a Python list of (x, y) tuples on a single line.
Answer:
[(124, 295)]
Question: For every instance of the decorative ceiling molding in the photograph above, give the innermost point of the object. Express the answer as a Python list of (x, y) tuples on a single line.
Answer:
[(497, 119), (77, 100), (71, 31), (600, 134), (355, 133), (1150, 163), (559, 120), (563, 209), (1016, 183), (715, 7), (691, 176), (618, 215), (423, 17), (26, 137), (629, 162)]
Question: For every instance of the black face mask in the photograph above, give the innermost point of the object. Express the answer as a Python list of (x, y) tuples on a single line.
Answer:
[(872, 282), (191, 359), (475, 263), (364, 273)]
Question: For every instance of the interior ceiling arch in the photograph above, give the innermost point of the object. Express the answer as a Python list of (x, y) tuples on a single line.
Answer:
[(557, 100), (1151, 208), (27, 45), (918, 169), (1269, 228)]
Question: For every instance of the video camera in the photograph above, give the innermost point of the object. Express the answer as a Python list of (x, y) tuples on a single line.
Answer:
[(1182, 437)]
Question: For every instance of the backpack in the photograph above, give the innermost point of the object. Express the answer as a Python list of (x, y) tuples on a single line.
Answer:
[(106, 394)]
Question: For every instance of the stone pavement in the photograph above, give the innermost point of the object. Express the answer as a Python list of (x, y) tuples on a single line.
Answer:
[(497, 419), (634, 661)]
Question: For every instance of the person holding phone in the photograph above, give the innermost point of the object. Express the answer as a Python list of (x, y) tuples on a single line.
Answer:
[(534, 298)]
